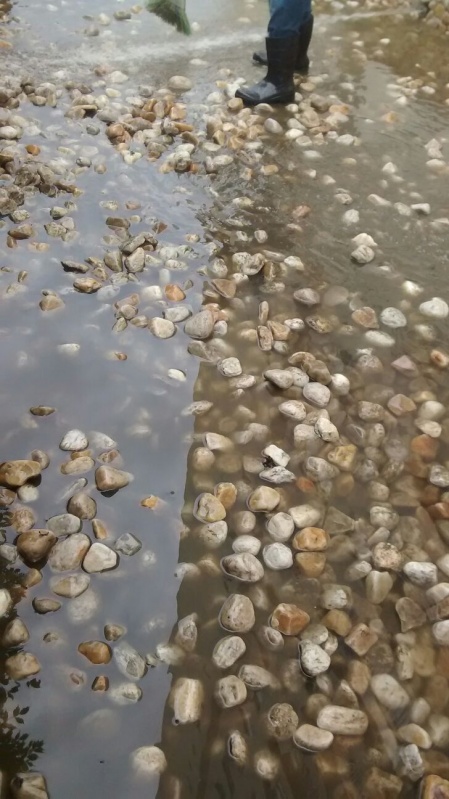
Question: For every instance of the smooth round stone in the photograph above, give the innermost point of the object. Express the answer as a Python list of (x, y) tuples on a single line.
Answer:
[(96, 652), (270, 639), (227, 651), (440, 632), (340, 385), (244, 522), (109, 479), (429, 428), (200, 326), (421, 573), (71, 586), (161, 328), (379, 339), (15, 633), (74, 441), (393, 317), (179, 83), (148, 761), (209, 509), (389, 692), (237, 614), (414, 734), (342, 720), (263, 500), (33, 545), (230, 367), (281, 378), (306, 515), (230, 691), (431, 410), (64, 524), (378, 586), (43, 606), (311, 539), (312, 739), (281, 721), (126, 693), (436, 308), (243, 566), (326, 430), (280, 527), (213, 535), (68, 554), (246, 543), (277, 556), (99, 558), (314, 660), (82, 505), (293, 409), (272, 126), (317, 394)]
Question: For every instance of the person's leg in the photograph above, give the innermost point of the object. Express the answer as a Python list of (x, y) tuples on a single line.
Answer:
[(284, 16), (287, 17)]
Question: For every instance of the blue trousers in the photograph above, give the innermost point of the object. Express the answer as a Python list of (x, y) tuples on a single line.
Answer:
[(287, 17)]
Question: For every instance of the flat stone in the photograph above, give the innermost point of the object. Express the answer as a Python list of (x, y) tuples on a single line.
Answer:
[(281, 378), (316, 393), (71, 586), (365, 317), (312, 739), (100, 558), (244, 567), (64, 524), (179, 83), (393, 317), (411, 615), (14, 474), (319, 470), (128, 544), (342, 720), (109, 479), (400, 405), (74, 441), (129, 661), (256, 677), (389, 692), (67, 554), (200, 326)]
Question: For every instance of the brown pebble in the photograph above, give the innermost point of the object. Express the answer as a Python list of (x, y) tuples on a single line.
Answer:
[(95, 651), (174, 293), (311, 539), (425, 446), (100, 683), (435, 787), (311, 564), (32, 149), (338, 622), (289, 619)]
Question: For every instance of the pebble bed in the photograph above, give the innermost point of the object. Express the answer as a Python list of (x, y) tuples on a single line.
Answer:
[(316, 518)]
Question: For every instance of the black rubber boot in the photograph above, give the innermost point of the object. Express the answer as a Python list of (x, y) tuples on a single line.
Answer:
[(277, 85), (302, 59)]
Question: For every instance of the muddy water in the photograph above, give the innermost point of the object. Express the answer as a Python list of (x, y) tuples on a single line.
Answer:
[(80, 739)]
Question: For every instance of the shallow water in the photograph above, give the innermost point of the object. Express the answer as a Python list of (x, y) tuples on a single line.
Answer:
[(140, 406)]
